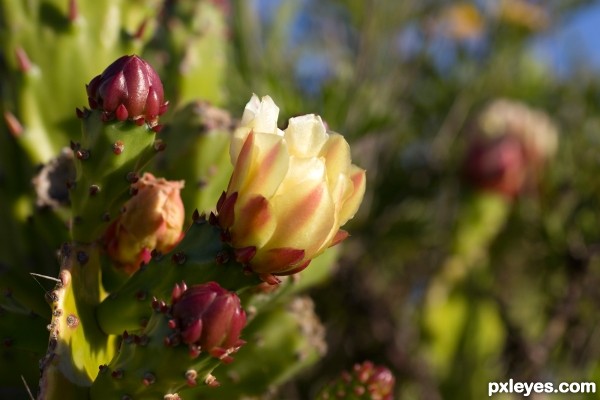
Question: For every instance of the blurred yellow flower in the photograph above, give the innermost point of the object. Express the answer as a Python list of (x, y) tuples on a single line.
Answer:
[(524, 13), (290, 190)]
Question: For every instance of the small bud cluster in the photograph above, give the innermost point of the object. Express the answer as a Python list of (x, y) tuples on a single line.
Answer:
[(366, 381)]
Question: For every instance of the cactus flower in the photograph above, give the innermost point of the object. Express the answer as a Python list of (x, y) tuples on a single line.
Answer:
[(366, 381), (208, 318), (150, 220), (129, 88), (289, 193)]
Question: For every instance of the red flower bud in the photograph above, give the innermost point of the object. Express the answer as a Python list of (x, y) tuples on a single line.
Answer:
[(497, 165), (128, 89), (209, 318)]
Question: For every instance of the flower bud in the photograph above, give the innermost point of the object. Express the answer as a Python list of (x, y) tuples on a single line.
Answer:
[(366, 381), (128, 89), (290, 191), (151, 220), (511, 145), (210, 319)]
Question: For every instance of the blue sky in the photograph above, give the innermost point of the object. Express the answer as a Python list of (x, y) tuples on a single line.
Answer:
[(574, 44)]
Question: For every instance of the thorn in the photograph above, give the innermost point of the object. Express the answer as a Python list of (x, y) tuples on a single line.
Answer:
[(211, 381), (73, 11), (179, 258), (157, 128), (80, 114), (132, 177), (141, 295), (45, 277), (27, 388), (92, 103), (118, 374), (23, 60), (72, 321), (118, 147), (82, 154), (198, 218), (222, 257), (94, 189), (82, 257), (14, 126), (190, 376), (163, 109), (148, 379), (106, 217), (159, 145), (106, 116), (74, 145), (141, 29)]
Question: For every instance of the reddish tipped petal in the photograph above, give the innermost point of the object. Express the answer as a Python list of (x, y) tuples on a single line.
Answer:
[(276, 261), (245, 254), (295, 270), (270, 279), (227, 211), (192, 332), (339, 237)]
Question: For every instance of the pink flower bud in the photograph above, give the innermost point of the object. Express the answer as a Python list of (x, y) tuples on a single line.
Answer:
[(209, 319), (290, 191), (366, 381), (151, 220), (128, 89)]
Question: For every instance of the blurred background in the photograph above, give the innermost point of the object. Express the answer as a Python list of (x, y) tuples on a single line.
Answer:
[(455, 275)]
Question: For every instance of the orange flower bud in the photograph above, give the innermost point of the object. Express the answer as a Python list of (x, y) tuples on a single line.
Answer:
[(290, 190), (151, 220)]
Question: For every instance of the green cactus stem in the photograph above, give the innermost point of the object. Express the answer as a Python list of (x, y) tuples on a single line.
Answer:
[(198, 152), (105, 174), (179, 348), (76, 346), (284, 340), (200, 257)]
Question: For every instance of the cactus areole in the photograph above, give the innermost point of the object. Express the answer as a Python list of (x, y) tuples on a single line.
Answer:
[(129, 89)]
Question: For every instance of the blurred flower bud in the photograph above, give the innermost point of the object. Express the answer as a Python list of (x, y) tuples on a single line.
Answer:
[(128, 89), (365, 382), (210, 319), (510, 147), (461, 21), (151, 220), (290, 191)]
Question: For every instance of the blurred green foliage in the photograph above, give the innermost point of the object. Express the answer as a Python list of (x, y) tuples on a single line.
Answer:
[(403, 81)]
